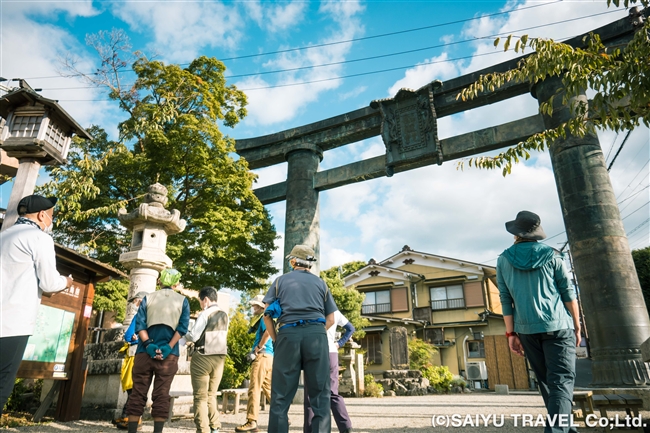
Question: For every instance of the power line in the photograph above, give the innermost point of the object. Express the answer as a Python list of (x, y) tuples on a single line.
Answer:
[(301, 83), (636, 210), (611, 147), (629, 132), (635, 194), (638, 227), (346, 41)]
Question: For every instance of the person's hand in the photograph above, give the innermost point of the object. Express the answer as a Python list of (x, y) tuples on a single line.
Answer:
[(69, 282), (152, 350), (164, 351), (515, 345), (578, 336)]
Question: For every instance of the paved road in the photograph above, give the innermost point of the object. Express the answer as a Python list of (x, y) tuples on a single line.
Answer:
[(379, 415)]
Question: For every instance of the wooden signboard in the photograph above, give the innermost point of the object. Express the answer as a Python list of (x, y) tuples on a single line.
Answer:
[(49, 349)]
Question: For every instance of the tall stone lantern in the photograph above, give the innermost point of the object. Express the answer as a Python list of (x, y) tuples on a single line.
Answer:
[(36, 131), (150, 223)]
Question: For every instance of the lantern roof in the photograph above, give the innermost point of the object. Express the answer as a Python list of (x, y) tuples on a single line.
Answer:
[(22, 97)]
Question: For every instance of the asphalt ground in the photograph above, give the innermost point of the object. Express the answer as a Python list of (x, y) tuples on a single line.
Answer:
[(474, 412)]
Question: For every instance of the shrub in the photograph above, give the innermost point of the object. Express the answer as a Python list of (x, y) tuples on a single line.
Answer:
[(439, 377), (372, 388), (420, 354), (459, 381)]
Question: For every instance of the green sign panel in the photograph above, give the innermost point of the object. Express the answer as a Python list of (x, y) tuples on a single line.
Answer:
[(51, 338)]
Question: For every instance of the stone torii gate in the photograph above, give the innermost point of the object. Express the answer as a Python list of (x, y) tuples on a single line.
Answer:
[(615, 312)]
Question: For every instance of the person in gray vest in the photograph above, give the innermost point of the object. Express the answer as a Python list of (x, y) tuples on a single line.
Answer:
[(305, 308), (209, 336), (162, 319)]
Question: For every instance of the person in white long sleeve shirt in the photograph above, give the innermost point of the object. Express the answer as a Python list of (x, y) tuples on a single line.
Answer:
[(28, 270), (209, 336)]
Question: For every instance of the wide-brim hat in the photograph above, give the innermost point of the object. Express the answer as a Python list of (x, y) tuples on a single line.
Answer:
[(257, 300), (302, 252), (527, 225), (35, 203)]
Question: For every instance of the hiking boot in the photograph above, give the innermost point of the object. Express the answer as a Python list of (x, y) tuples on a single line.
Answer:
[(123, 423), (250, 426)]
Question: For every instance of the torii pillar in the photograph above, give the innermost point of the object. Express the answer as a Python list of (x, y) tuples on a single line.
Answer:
[(615, 312), (302, 220)]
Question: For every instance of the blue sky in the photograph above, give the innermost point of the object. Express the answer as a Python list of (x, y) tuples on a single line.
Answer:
[(439, 210)]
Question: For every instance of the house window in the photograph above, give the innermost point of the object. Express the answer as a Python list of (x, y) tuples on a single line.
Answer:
[(448, 297), (376, 302), (371, 343), (434, 336), (476, 349)]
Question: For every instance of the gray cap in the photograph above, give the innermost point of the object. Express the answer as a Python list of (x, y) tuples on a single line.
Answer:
[(139, 295), (302, 252)]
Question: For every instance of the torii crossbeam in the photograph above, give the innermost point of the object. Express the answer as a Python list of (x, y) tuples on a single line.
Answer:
[(615, 311)]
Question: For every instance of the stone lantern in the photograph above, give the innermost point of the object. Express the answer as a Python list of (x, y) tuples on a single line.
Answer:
[(36, 131), (150, 223)]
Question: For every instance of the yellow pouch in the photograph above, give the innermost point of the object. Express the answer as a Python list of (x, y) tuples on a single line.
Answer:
[(126, 378)]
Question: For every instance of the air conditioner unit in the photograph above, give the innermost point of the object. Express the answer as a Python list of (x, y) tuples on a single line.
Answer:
[(476, 370)]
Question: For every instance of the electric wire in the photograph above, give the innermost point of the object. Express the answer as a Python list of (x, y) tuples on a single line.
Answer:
[(611, 147), (377, 57), (307, 47), (618, 152)]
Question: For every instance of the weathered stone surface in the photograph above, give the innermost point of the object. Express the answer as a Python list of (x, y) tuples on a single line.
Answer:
[(386, 383), (415, 373), (393, 374), (645, 350), (501, 389)]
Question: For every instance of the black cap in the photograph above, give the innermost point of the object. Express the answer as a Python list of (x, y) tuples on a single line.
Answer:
[(35, 203)]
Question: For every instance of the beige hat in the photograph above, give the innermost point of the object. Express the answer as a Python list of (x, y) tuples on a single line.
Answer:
[(303, 252), (257, 300)]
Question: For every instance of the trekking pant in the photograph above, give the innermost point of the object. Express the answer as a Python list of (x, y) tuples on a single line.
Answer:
[(337, 403)]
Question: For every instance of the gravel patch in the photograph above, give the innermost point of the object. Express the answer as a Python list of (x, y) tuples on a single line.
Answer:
[(383, 415)]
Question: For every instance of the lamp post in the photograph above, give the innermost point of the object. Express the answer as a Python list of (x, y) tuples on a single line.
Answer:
[(36, 131)]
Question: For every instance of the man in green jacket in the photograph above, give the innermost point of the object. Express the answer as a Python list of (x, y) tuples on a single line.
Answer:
[(541, 315)]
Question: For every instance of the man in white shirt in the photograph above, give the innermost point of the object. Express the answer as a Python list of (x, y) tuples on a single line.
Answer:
[(28, 270), (337, 404), (209, 335)]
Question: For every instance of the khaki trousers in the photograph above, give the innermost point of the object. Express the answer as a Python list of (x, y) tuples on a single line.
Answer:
[(261, 370), (206, 372)]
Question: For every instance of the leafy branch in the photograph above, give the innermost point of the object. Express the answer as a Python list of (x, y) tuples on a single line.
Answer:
[(619, 75)]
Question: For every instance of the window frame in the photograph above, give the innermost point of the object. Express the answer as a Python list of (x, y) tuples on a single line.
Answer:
[(371, 356), (375, 304), (480, 352), (447, 306)]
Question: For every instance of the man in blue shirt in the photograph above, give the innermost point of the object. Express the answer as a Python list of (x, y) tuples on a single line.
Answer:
[(306, 309), (261, 368), (540, 312), (162, 319)]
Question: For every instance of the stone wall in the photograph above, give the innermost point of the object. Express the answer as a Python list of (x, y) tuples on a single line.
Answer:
[(405, 382)]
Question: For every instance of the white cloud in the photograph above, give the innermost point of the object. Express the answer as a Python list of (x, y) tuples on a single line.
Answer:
[(435, 68), (274, 17), (273, 102), (353, 93), (32, 48), (182, 29)]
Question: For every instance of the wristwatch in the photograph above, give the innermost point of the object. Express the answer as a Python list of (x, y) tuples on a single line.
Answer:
[(511, 334)]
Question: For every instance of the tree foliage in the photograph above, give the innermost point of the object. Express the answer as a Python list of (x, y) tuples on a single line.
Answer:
[(170, 136), (642, 263), (348, 300), (619, 75), (111, 296), (420, 354), (240, 343)]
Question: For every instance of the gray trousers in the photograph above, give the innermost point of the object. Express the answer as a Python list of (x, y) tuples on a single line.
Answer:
[(552, 356), (298, 348)]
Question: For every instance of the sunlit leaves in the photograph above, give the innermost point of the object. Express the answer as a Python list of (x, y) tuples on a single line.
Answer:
[(619, 76)]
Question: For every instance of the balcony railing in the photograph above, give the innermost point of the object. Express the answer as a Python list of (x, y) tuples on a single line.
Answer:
[(447, 304), (375, 308)]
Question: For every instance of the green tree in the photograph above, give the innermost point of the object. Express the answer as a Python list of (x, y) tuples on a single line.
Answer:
[(642, 263), (619, 75), (111, 296), (349, 299), (240, 343), (420, 354), (170, 136)]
